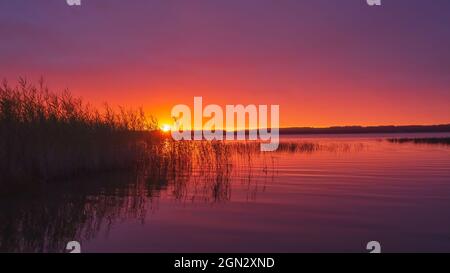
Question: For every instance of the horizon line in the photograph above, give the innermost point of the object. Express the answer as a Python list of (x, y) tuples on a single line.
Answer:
[(353, 129)]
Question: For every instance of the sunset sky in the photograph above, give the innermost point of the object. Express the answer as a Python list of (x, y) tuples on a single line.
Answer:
[(325, 62)]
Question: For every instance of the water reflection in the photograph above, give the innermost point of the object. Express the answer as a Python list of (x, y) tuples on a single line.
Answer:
[(188, 172)]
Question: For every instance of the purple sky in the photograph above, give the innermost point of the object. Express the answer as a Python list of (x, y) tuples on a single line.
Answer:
[(325, 62)]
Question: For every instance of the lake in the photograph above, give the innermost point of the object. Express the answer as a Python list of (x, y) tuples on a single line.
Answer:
[(333, 194)]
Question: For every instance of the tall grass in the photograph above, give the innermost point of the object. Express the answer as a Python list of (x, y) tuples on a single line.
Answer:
[(46, 135), (428, 140)]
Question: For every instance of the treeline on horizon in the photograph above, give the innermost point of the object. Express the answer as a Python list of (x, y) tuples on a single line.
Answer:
[(46, 135), (440, 128), (384, 129)]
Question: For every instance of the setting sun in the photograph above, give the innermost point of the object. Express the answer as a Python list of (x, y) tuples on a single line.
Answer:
[(165, 128)]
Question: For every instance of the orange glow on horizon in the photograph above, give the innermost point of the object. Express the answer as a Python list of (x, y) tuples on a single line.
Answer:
[(320, 76)]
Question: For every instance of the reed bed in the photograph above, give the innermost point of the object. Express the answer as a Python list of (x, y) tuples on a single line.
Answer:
[(153, 164), (208, 167), (46, 135), (429, 140)]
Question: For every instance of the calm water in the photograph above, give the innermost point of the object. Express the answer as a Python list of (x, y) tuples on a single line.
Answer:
[(348, 191)]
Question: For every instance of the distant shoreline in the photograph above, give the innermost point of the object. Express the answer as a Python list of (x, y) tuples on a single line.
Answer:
[(385, 129)]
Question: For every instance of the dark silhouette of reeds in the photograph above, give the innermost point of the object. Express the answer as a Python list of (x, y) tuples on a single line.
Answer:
[(46, 218), (46, 135), (53, 137), (428, 140)]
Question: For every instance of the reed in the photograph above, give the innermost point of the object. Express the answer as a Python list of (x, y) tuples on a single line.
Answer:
[(429, 140), (46, 135)]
